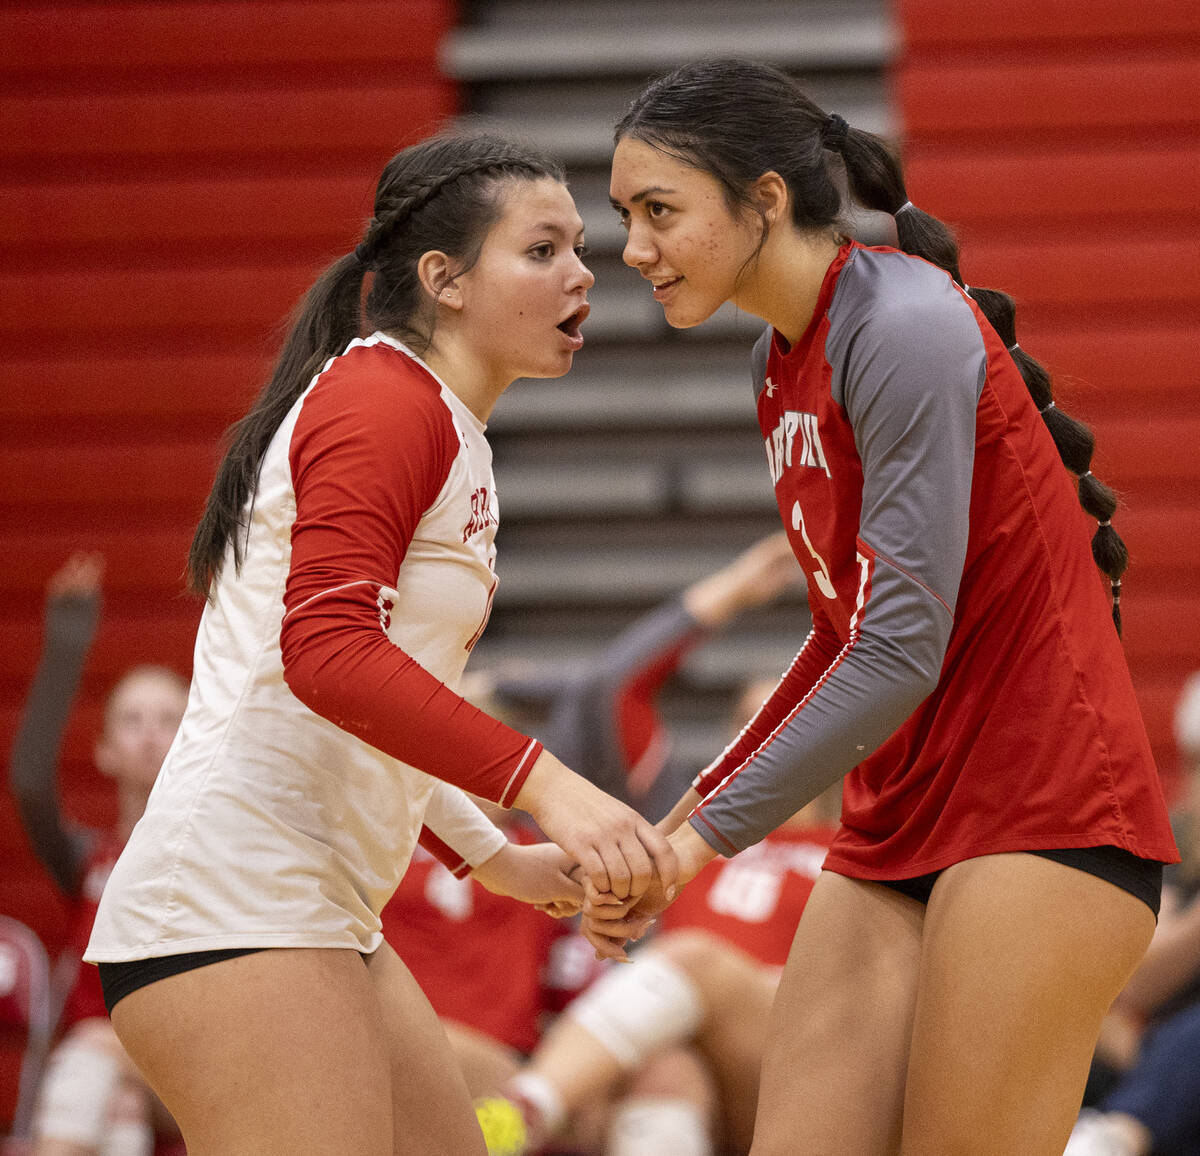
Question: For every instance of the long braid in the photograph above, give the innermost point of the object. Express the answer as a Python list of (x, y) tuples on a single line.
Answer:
[(393, 211), (876, 180)]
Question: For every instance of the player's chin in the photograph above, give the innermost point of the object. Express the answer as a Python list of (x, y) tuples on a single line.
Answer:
[(680, 316), (555, 366)]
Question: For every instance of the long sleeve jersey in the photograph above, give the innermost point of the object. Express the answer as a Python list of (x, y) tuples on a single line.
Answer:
[(962, 671), (321, 729)]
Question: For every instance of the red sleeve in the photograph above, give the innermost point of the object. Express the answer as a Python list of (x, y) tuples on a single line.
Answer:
[(371, 451), (819, 650), (444, 854), (638, 722)]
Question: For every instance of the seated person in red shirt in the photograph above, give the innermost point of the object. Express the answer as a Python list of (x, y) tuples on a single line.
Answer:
[(678, 1034)]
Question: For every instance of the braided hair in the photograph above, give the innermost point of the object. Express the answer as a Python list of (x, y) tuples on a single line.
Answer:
[(444, 194), (738, 119)]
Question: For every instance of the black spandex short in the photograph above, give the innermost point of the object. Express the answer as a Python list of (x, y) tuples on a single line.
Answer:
[(1142, 878), (119, 979)]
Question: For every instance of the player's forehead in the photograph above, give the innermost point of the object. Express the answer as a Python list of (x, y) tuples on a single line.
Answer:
[(642, 172), (531, 206), (146, 691)]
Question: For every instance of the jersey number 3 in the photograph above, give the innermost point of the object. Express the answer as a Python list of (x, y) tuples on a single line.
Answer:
[(822, 578)]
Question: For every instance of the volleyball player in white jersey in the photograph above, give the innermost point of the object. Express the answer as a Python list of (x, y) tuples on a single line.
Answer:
[(347, 553)]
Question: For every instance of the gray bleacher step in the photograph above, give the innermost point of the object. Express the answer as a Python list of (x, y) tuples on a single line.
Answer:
[(732, 658), (614, 38), (571, 489), (642, 387), (577, 139)]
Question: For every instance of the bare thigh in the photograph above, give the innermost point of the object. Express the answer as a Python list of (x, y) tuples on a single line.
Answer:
[(277, 1053), (431, 1104), (836, 1052), (1022, 958), (486, 1064)]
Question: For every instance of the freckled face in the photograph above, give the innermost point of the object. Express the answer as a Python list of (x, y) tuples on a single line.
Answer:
[(682, 236), (526, 295)]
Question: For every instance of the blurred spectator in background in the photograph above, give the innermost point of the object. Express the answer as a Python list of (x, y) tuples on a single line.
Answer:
[(1145, 1084), (604, 716), (92, 1099), (663, 1056)]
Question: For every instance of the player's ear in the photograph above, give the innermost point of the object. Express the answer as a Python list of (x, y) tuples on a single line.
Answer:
[(436, 275), (771, 195)]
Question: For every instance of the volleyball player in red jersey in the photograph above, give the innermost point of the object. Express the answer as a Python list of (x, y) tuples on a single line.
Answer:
[(997, 871), (347, 554)]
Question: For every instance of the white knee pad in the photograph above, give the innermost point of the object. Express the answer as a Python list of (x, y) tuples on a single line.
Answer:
[(128, 1138), (638, 1008), (76, 1091), (647, 1126)]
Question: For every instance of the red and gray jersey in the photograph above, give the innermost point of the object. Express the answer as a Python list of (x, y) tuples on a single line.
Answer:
[(322, 729), (962, 670)]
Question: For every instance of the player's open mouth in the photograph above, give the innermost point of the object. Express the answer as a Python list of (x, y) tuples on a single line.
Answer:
[(662, 288), (570, 326)]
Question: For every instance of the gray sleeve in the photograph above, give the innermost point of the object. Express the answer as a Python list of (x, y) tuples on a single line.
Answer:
[(909, 378), (33, 772), (584, 725)]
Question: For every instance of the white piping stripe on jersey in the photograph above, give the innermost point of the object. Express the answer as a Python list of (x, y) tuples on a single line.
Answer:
[(864, 565), (864, 582), (333, 590), (504, 800)]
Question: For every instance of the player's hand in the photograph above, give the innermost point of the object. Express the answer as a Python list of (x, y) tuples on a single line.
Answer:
[(537, 874), (618, 850), (78, 577), (73, 601), (610, 922)]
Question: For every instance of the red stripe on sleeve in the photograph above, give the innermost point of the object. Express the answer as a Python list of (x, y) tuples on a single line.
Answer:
[(371, 451), (638, 723), (444, 853)]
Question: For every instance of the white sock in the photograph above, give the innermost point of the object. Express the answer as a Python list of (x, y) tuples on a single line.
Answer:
[(652, 1126), (636, 1009), (76, 1092), (536, 1092)]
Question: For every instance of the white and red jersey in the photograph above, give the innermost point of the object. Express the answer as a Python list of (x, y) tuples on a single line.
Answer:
[(320, 709), (754, 900), (962, 671)]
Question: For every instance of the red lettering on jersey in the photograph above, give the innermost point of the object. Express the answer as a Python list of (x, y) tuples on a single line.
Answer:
[(481, 513)]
